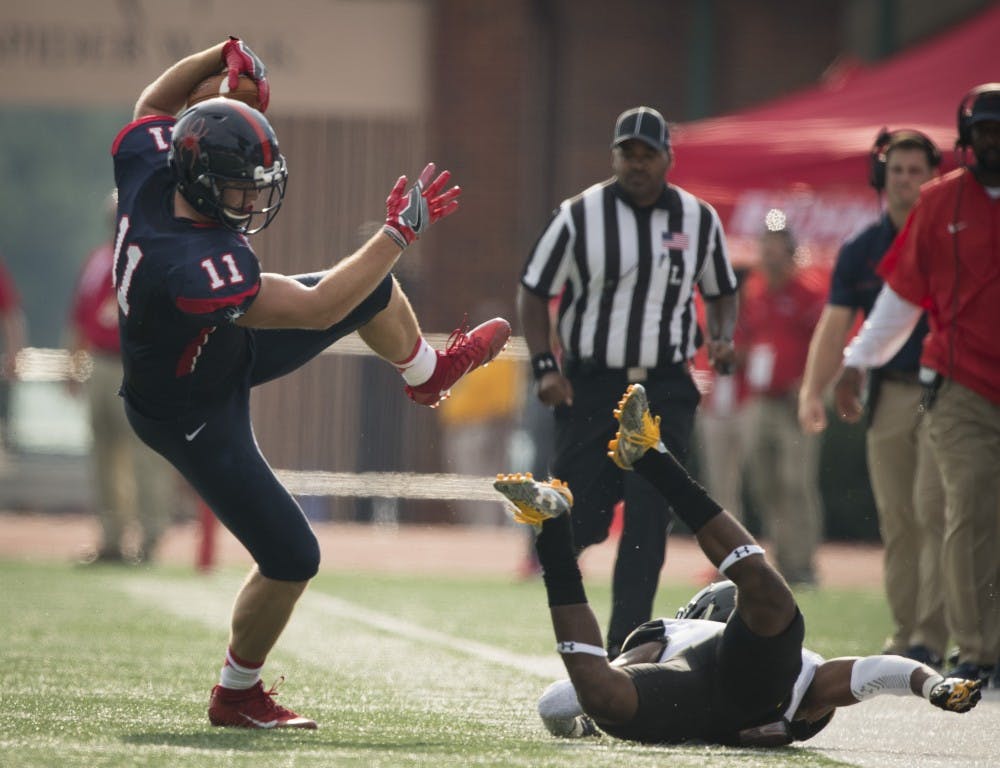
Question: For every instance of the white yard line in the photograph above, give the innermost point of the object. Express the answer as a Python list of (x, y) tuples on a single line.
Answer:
[(210, 601)]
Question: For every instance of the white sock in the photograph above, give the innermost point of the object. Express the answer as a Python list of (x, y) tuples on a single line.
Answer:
[(420, 365), (238, 674), (877, 675), (929, 683)]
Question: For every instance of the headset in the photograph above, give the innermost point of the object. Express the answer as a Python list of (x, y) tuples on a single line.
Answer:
[(885, 140), (966, 112), (967, 107)]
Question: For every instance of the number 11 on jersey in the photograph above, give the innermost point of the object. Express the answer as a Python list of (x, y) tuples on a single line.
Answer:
[(133, 255), (235, 276)]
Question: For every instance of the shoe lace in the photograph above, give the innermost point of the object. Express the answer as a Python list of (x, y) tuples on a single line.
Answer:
[(459, 337), (271, 693), (461, 344)]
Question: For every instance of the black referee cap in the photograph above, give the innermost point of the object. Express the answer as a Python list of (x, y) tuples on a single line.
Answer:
[(642, 123)]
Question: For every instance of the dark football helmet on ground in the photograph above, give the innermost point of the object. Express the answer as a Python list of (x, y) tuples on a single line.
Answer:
[(716, 602), (223, 144)]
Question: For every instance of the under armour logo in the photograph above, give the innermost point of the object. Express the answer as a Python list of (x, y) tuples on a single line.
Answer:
[(567, 646), (741, 551)]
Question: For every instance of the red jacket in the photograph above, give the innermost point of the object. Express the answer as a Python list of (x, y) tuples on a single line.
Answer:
[(947, 260), (95, 305), (8, 294)]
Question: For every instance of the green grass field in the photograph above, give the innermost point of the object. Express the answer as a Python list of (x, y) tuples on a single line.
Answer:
[(110, 667)]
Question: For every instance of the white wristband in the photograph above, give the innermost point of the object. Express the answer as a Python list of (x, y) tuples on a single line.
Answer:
[(744, 550), (395, 235), (571, 646)]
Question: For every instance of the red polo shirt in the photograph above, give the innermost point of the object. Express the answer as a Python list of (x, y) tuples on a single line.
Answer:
[(8, 296), (95, 304), (947, 260), (776, 325)]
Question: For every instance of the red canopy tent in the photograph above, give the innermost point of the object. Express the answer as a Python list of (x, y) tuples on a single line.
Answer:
[(807, 154)]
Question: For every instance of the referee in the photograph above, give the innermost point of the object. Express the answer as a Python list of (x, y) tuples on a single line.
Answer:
[(624, 256)]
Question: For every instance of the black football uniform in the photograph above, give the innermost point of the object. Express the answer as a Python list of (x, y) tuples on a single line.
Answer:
[(188, 368), (721, 684)]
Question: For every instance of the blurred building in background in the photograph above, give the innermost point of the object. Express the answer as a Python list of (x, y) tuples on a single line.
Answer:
[(512, 96)]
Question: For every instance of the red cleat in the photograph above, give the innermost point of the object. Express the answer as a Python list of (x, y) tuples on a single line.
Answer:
[(252, 708), (465, 352)]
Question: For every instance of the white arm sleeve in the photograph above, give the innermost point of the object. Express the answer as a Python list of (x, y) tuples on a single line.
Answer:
[(884, 333)]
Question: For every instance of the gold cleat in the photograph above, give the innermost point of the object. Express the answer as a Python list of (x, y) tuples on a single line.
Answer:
[(638, 429), (534, 501), (956, 695)]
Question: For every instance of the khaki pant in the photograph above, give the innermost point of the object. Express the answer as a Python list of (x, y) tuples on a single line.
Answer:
[(721, 453), (783, 465), (910, 501), (133, 485), (965, 438)]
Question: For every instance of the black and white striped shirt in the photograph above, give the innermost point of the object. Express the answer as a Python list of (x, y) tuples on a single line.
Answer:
[(627, 274)]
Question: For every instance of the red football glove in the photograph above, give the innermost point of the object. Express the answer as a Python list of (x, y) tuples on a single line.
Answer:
[(409, 214), (240, 60)]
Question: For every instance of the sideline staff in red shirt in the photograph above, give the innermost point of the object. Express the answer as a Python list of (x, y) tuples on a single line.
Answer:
[(947, 261), (132, 485), (11, 341), (780, 309)]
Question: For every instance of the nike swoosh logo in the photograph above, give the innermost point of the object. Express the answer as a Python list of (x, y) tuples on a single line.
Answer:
[(191, 436), (258, 723), (418, 219), (413, 215)]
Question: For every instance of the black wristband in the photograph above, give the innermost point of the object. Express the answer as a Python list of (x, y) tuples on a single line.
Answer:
[(542, 363)]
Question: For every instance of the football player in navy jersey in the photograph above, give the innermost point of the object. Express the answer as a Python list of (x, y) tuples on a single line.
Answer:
[(741, 677), (201, 324)]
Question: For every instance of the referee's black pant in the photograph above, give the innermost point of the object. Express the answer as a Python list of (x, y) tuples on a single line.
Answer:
[(582, 434)]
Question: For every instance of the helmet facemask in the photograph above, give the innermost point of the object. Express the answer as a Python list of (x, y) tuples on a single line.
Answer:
[(716, 602), (244, 206)]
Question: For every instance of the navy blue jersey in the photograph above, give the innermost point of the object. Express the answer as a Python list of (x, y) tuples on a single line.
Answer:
[(856, 284), (180, 285)]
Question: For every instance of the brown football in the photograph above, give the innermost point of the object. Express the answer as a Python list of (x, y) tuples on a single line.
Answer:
[(245, 91)]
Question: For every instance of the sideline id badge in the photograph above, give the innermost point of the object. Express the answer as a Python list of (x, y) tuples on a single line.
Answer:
[(760, 366)]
